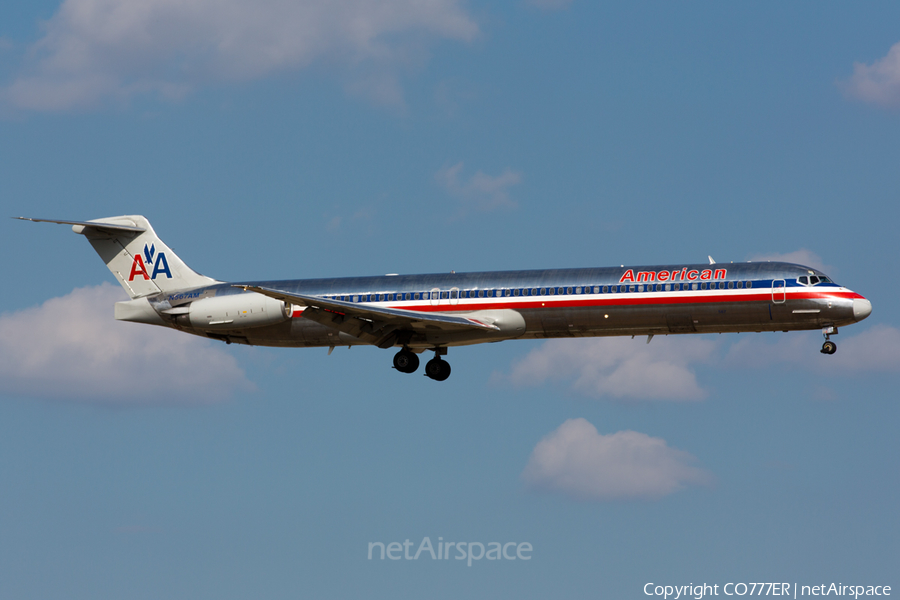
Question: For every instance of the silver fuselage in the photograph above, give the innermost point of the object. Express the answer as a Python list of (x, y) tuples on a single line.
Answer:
[(657, 300)]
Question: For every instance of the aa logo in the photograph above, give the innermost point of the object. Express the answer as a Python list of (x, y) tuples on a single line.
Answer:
[(139, 267)]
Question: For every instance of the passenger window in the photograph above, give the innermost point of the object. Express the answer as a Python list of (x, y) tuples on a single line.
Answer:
[(749, 284), (730, 285)]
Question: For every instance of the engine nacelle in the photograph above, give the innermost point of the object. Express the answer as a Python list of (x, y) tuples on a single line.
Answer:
[(237, 311)]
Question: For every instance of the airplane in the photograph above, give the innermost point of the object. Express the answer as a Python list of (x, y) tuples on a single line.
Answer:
[(418, 313)]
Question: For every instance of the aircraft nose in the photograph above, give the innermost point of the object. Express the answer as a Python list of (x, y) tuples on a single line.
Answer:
[(862, 308)]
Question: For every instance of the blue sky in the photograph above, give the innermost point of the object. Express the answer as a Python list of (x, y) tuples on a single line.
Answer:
[(288, 140)]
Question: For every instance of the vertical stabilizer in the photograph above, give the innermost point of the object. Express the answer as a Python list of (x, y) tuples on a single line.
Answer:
[(140, 261)]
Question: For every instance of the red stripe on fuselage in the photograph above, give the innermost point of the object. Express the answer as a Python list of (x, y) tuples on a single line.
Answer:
[(613, 300)]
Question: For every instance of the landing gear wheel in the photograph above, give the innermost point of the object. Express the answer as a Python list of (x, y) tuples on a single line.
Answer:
[(406, 361), (829, 347), (437, 369)]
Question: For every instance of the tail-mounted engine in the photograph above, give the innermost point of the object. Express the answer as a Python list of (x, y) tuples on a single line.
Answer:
[(235, 311)]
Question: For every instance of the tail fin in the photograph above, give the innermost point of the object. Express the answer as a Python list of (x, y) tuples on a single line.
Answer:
[(141, 262)]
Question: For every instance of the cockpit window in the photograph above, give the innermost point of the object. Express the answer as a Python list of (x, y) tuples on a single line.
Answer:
[(813, 279)]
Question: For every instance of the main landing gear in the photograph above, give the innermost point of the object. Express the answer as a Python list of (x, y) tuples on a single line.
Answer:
[(406, 361), (438, 369), (829, 347)]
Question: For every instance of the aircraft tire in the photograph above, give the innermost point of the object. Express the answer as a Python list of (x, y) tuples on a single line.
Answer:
[(437, 369), (406, 361), (829, 347)]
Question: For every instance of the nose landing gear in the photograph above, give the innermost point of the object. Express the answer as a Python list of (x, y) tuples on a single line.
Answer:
[(829, 347)]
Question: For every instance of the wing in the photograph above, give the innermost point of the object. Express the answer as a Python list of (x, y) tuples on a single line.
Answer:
[(382, 327)]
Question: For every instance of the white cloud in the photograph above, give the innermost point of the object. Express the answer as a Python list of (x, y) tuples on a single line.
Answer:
[(876, 349), (94, 50), (481, 192), (619, 367), (878, 83), (71, 348), (804, 257), (629, 369), (578, 461)]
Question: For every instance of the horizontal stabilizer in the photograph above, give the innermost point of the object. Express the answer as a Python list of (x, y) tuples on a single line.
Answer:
[(95, 225)]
